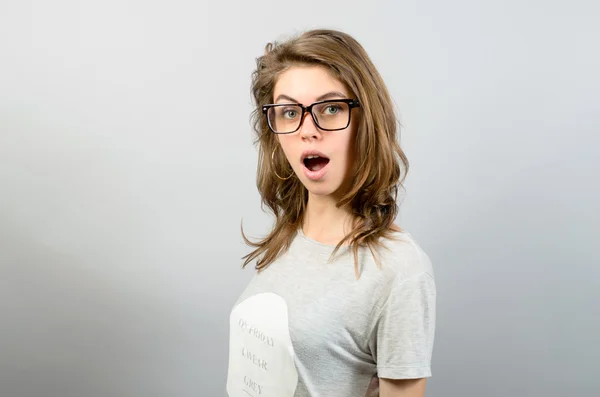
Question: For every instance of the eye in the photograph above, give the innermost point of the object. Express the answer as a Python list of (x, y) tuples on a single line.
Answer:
[(290, 113), (332, 109)]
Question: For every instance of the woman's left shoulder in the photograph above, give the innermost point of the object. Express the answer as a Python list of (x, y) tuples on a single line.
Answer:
[(404, 255)]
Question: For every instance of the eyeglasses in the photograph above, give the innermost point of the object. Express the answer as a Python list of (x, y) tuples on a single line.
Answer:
[(330, 115)]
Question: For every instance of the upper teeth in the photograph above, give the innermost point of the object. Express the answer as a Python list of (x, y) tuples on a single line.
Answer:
[(312, 156)]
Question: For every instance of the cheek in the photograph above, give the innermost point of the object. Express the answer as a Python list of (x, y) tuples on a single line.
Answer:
[(349, 146), (287, 145)]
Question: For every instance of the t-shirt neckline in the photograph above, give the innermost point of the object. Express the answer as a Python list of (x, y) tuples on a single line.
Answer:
[(315, 242)]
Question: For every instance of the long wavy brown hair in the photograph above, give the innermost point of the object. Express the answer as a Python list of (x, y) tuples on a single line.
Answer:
[(382, 165)]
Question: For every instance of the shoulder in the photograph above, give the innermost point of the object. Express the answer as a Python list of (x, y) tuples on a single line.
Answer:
[(404, 256)]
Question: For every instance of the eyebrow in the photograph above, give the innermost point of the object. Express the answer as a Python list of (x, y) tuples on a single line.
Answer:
[(330, 94)]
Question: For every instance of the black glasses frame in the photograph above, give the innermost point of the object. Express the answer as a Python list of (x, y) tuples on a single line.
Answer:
[(352, 103)]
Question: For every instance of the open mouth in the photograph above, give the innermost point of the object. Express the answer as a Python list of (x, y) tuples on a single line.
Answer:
[(315, 163)]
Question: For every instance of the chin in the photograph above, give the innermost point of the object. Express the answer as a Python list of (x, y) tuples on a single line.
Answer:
[(320, 191), (320, 188)]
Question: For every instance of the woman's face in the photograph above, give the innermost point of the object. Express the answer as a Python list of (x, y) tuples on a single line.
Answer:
[(329, 173)]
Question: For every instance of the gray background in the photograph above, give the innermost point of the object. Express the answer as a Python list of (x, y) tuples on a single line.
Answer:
[(126, 166)]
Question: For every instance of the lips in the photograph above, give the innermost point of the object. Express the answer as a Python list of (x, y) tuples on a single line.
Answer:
[(315, 164)]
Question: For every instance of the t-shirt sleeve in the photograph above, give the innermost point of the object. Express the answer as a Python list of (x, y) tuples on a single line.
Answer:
[(402, 341)]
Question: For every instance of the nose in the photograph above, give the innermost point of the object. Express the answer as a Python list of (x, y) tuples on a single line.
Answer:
[(309, 129)]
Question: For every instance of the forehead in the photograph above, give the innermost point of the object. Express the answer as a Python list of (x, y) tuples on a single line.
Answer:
[(306, 83)]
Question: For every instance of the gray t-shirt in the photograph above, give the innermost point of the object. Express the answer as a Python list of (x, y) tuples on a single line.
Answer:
[(304, 327)]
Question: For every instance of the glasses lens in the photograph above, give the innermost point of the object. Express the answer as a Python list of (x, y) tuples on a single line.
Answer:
[(332, 115), (285, 118)]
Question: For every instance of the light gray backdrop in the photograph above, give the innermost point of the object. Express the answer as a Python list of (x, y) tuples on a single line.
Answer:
[(126, 166)]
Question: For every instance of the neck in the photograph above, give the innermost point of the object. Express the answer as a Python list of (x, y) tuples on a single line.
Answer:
[(324, 222)]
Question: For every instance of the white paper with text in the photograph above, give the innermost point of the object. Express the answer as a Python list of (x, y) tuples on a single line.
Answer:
[(261, 355)]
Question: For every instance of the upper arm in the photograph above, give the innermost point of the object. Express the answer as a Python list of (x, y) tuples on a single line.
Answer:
[(402, 387), (402, 341), (403, 337)]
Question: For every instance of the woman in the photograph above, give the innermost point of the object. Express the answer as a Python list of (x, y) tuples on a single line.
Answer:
[(343, 300)]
